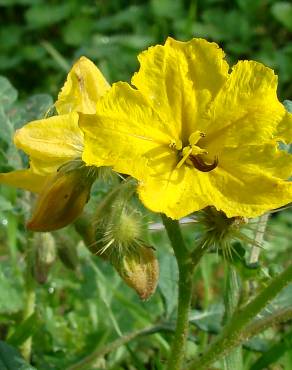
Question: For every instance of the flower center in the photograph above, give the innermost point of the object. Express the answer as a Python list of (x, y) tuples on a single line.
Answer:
[(192, 154)]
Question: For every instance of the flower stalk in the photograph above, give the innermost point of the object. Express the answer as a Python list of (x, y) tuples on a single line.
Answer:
[(231, 298), (30, 296), (187, 261)]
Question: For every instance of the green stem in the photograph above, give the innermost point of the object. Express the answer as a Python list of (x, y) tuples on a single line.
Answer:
[(233, 330), (231, 298), (100, 352), (30, 299), (206, 274), (258, 326), (186, 263), (54, 53)]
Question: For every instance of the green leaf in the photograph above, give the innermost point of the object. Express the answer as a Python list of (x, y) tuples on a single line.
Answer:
[(168, 282), (167, 8), (283, 300), (10, 290), (45, 15), (24, 330), (6, 128), (10, 359), (5, 205), (288, 105), (36, 106), (209, 320), (8, 94), (132, 16), (257, 344), (20, 2), (282, 11), (76, 30), (274, 353)]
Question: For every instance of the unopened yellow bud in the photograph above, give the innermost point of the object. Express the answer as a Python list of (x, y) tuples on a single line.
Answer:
[(62, 199), (139, 269)]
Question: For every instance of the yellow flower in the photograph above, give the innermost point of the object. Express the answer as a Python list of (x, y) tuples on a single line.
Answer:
[(194, 133), (54, 141), (54, 146)]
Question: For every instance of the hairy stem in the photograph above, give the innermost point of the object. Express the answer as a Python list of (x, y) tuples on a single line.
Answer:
[(186, 263), (30, 299), (232, 332), (233, 360), (259, 325), (185, 268)]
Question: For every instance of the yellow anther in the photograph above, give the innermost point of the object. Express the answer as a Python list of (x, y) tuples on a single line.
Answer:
[(176, 144), (195, 137)]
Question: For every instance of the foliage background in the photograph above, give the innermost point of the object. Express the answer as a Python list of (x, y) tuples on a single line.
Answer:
[(84, 304)]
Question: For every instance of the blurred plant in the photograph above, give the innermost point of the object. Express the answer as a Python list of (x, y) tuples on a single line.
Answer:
[(62, 303), (56, 34)]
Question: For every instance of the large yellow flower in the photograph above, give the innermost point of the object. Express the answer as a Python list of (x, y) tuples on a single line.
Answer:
[(54, 141), (195, 134)]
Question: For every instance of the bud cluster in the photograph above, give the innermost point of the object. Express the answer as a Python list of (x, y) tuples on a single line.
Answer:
[(120, 240)]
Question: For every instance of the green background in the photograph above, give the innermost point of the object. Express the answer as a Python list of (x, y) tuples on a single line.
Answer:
[(83, 304)]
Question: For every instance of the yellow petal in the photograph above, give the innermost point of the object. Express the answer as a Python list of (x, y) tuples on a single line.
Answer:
[(246, 110), (284, 131), (179, 79), (85, 84), (176, 193), (51, 142), (254, 159), (125, 133), (187, 190), (249, 195), (24, 179)]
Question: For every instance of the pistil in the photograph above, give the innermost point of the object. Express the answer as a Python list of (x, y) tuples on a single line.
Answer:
[(194, 153)]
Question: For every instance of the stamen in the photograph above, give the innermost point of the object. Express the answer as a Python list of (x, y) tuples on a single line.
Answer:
[(200, 165), (186, 154)]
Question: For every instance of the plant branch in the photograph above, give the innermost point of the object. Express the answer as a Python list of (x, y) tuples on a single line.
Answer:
[(186, 263), (259, 325), (30, 298), (100, 352), (232, 360), (253, 329), (232, 332)]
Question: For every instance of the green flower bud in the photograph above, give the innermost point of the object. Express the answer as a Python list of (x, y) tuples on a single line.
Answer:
[(45, 256), (67, 252), (63, 198), (119, 239), (220, 232), (139, 269)]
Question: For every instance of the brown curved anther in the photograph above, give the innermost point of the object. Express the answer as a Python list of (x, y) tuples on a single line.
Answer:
[(199, 164)]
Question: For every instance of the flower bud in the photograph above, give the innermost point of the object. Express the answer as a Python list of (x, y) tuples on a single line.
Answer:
[(139, 269), (67, 251), (62, 199), (113, 225), (221, 233), (119, 239), (45, 256)]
